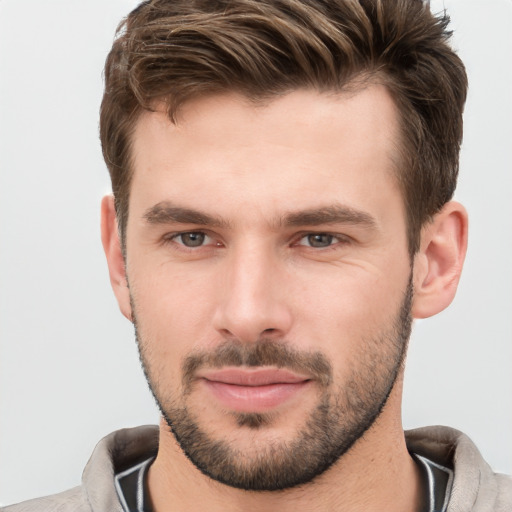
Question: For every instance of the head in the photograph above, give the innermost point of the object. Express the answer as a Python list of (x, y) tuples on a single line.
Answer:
[(282, 172), (172, 52)]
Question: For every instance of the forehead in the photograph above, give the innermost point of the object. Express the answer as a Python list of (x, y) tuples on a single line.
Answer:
[(296, 148), (363, 112)]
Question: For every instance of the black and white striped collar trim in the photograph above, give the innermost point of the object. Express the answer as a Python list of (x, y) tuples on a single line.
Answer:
[(131, 487), (439, 480)]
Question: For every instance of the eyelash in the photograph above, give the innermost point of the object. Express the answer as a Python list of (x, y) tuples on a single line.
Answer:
[(340, 239), (171, 238)]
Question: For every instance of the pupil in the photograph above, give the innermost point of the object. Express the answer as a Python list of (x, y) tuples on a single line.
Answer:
[(192, 239), (321, 240)]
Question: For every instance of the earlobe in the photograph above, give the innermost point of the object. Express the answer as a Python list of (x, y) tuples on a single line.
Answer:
[(438, 263), (114, 254)]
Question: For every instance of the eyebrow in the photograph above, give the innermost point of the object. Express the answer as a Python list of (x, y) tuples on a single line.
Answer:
[(334, 214), (168, 213)]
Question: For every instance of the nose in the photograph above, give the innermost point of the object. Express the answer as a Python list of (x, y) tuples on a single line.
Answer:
[(254, 301)]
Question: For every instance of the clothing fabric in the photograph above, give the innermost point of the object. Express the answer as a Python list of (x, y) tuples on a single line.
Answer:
[(476, 488), (438, 480), (132, 487)]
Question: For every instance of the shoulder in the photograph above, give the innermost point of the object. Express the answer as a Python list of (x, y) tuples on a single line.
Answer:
[(97, 493), (72, 500), (504, 495), (476, 487)]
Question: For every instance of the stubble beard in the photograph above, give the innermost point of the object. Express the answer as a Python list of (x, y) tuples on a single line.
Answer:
[(342, 415)]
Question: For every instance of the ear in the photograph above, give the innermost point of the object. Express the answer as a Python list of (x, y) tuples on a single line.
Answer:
[(114, 254), (438, 263)]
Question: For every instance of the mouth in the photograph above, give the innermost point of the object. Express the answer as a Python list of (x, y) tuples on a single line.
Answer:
[(253, 390)]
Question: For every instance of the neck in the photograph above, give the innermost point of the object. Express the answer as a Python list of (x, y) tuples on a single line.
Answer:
[(376, 474)]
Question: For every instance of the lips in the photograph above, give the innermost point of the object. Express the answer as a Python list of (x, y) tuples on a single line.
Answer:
[(256, 377), (253, 390)]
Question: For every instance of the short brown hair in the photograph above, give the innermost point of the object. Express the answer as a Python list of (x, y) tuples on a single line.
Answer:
[(176, 50)]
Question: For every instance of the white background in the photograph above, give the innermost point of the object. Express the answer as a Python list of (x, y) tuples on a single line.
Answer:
[(69, 370)]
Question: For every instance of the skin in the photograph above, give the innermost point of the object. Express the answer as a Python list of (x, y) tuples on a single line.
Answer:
[(249, 167)]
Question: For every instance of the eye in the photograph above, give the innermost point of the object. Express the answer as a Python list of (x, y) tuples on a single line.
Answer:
[(318, 240), (191, 239)]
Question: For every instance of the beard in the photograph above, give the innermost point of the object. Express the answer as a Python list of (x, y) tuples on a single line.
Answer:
[(341, 416)]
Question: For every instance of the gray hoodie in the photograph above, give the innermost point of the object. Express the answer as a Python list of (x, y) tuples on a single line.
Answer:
[(476, 487)]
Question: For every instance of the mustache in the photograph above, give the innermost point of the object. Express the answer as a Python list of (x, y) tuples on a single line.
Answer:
[(264, 352)]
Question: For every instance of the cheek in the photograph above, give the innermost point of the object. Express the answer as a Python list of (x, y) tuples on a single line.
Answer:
[(173, 309), (348, 312)]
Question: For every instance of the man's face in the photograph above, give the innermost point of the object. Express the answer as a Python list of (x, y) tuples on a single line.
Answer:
[(269, 278)]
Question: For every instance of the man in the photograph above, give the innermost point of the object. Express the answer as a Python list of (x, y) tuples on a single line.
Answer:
[(282, 175)]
